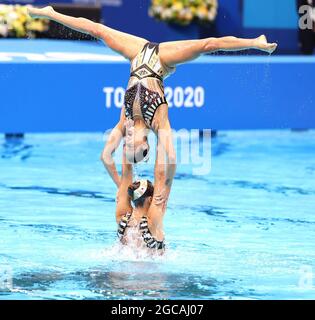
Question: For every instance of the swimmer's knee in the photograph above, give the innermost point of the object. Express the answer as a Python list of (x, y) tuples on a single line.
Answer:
[(104, 33), (98, 30), (210, 44)]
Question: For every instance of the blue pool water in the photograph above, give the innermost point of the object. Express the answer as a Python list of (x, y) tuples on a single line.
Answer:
[(244, 231)]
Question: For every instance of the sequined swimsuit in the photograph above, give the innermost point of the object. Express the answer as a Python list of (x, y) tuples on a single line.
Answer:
[(147, 237), (145, 91)]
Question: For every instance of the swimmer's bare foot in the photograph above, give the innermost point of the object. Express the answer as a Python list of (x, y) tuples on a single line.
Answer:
[(40, 12), (262, 44)]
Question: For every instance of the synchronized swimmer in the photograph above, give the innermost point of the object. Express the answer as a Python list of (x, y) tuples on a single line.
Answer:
[(145, 108)]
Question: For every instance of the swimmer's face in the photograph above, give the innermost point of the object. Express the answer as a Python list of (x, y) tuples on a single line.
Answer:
[(138, 152), (137, 147)]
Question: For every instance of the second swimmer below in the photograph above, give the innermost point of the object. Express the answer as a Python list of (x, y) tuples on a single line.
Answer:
[(139, 219)]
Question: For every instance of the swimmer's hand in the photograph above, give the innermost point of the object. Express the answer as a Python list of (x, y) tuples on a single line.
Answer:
[(39, 12), (162, 197), (262, 44)]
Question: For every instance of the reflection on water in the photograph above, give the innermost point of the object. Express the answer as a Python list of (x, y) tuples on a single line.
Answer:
[(129, 280), (220, 145), (64, 192), (15, 147)]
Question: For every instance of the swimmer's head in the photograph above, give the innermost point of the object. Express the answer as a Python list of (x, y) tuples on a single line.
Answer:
[(138, 152), (141, 193), (137, 146)]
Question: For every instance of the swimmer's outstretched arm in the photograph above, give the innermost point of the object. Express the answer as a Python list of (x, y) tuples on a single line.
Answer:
[(166, 155), (123, 200), (157, 209), (123, 43), (176, 52), (111, 145)]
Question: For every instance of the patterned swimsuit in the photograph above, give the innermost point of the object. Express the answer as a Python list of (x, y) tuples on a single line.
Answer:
[(147, 237), (145, 92)]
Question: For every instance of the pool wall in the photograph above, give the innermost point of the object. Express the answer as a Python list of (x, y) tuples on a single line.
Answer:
[(83, 89)]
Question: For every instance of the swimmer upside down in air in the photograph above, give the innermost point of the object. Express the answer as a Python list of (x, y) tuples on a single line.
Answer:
[(145, 104)]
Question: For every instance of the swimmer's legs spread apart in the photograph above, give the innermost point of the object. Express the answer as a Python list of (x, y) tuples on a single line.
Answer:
[(123, 43), (177, 52)]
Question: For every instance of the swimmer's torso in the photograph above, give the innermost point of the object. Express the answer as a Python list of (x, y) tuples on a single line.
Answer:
[(135, 232), (145, 91)]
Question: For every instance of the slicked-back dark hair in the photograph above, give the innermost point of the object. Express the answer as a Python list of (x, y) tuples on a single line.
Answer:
[(148, 193)]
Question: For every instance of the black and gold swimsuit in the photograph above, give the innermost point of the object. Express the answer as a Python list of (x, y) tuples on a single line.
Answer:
[(147, 237), (145, 91)]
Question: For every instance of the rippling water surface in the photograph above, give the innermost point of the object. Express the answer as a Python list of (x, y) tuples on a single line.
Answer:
[(245, 230)]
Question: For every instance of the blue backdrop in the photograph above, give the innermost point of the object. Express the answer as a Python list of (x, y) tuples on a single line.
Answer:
[(83, 91)]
